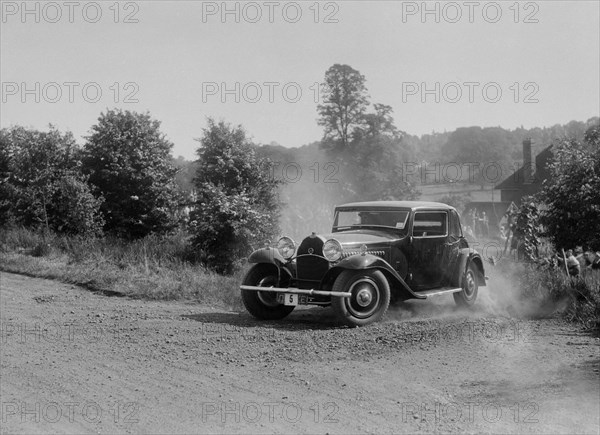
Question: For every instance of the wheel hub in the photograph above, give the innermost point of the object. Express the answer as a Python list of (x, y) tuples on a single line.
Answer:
[(268, 298), (364, 297), (470, 284)]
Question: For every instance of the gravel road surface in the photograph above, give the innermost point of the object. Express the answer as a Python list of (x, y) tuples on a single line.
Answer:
[(73, 361)]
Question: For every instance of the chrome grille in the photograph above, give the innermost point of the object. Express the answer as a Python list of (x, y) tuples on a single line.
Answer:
[(310, 264)]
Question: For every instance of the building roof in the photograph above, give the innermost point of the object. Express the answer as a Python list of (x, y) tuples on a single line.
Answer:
[(413, 205), (516, 181)]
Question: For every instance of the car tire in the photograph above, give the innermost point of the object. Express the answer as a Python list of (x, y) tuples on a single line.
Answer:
[(467, 296), (370, 297), (263, 305)]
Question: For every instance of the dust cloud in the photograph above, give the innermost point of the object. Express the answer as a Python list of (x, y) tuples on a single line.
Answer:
[(504, 296), (311, 190)]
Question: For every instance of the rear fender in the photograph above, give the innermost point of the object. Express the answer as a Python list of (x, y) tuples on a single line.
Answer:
[(368, 261), (469, 256)]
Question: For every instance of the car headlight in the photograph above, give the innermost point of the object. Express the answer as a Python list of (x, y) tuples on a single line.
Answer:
[(332, 250), (286, 247)]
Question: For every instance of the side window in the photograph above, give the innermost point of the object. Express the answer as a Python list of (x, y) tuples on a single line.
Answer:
[(455, 229), (430, 224)]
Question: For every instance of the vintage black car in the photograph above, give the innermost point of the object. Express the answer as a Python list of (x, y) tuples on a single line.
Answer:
[(377, 251)]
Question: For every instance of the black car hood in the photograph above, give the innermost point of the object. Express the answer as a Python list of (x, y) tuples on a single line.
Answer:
[(365, 236)]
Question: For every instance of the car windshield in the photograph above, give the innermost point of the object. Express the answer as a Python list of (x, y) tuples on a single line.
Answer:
[(351, 219)]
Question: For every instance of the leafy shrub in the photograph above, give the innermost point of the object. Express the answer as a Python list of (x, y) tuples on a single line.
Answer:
[(128, 161), (75, 209), (41, 183), (237, 207), (572, 192)]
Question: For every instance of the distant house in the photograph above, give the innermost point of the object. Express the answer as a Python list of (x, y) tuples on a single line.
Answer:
[(529, 178)]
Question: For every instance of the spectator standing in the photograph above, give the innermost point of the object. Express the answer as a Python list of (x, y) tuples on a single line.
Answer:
[(573, 265)]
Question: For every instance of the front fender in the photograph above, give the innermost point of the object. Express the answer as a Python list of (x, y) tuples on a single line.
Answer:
[(369, 261), (468, 256), (266, 255), (285, 270)]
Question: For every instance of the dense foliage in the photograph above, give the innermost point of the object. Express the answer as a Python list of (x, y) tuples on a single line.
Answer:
[(528, 229), (42, 185), (572, 193), (237, 208), (128, 161)]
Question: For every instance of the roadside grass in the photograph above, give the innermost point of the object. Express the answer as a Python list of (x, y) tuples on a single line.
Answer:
[(151, 268), (576, 298), (542, 291)]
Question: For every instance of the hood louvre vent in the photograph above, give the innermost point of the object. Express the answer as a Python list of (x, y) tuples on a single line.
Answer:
[(350, 253)]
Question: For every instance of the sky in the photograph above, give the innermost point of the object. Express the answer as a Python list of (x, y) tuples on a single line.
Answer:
[(439, 65)]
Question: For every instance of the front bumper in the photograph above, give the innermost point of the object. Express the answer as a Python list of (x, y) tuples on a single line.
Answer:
[(296, 291)]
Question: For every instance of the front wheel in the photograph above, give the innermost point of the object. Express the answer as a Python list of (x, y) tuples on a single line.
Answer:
[(466, 297), (369, 300), (263, 305)]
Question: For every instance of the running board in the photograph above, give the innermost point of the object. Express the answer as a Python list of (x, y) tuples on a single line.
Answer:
[(439, 291)]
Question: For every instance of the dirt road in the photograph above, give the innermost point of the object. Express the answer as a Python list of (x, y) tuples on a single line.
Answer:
[(73, 361)]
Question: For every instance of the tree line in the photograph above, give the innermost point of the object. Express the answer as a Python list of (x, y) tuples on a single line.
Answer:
[(123, 181)]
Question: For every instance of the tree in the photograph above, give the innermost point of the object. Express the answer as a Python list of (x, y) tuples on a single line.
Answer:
[(572, 192), (380, 123), (484, 152), (237, 208), (345, 101), (128, 161), (374, 161), (374, 169), (39, 171)]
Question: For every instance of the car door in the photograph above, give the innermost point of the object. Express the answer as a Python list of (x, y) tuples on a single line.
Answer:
[(452, 247), (428, 247)]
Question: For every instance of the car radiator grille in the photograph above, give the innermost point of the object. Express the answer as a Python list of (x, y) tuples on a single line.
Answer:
[(310, 264)]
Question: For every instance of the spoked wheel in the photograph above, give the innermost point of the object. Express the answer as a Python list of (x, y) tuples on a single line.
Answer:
[(466, 297), (369, 300), (263, 305)]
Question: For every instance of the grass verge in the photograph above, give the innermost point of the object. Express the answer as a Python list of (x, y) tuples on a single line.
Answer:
[(577, 298), (151, 268)]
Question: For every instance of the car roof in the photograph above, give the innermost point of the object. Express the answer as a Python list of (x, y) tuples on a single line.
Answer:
[(413, 205)]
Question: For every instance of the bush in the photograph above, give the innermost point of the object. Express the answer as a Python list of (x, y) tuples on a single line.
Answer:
[(128, 161), (585, 305), (237, 208), (41, 183), (576, 298), (75, 209), (572, 193)]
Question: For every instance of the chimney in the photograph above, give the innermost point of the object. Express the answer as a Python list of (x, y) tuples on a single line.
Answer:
[(527, 162)]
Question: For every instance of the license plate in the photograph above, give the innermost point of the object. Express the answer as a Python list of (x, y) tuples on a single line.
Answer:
[(288, 299)]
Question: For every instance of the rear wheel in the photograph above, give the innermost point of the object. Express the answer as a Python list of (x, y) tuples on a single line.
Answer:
[(263, 305), (369, 300), (466, 297)]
